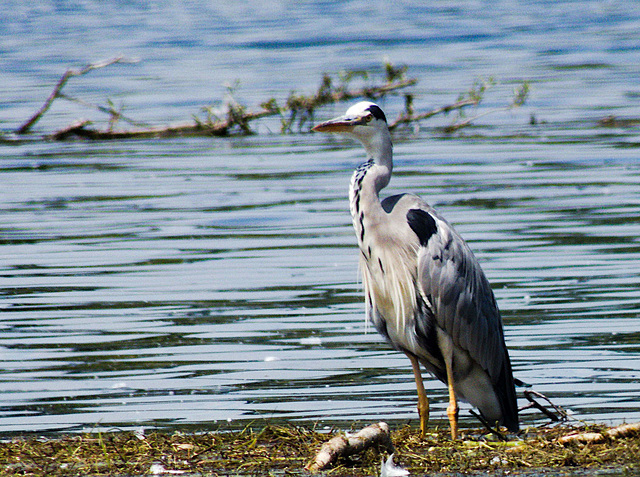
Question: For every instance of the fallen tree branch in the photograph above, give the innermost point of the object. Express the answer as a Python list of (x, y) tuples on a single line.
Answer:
[(61, 83), (236, 116), (299, 109), (342, 446), (74, 129), (625, 430), (217, 128)]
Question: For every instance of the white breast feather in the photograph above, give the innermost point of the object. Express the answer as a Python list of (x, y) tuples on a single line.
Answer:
[(392, 293)]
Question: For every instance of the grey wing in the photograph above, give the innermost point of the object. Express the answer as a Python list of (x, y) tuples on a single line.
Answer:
[(460, 297), (460, 301)]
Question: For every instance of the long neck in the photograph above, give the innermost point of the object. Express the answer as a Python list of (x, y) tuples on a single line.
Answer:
[(366, 183), (380, 150)]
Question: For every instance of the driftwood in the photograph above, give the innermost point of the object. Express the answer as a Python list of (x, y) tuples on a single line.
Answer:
[(218, 128), (625, 430), (342, 446)]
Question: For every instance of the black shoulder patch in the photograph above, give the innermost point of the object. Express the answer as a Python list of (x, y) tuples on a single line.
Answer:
[(377, 112), (423, 225), (390, 202)]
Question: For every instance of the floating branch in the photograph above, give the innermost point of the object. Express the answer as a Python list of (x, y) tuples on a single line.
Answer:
[(302, 107), (472, 98), (114, 115)]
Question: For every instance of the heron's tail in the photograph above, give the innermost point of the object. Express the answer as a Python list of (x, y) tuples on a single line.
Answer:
[(506, 391)]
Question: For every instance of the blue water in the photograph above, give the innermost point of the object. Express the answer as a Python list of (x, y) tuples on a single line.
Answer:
[(200, 283)]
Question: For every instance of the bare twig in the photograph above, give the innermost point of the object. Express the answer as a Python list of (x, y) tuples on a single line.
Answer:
[(341, 446), (531, 395), (405, 118), (519, 97), (107, 110), (61, 83)]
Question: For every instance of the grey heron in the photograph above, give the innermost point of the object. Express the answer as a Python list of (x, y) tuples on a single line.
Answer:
[(424, 289)]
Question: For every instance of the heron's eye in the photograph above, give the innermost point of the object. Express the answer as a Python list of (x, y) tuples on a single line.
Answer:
[(368, 118)]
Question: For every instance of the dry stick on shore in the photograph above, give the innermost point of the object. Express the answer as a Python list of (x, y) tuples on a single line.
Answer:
[(625, 430), (61, 83), (343, 446)]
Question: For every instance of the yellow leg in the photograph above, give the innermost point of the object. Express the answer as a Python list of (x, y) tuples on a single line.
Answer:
[(452, 409), (423, 401)]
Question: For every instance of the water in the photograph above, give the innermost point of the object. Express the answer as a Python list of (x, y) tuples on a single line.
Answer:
[(209, 283)]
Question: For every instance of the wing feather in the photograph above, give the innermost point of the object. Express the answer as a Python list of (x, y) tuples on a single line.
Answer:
[(464, 305), (463, 302), (454, 295)]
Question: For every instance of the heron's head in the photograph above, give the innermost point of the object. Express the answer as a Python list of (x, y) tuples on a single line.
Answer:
[(365, 121)]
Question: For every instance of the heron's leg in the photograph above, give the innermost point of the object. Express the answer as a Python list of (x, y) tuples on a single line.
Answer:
[(452, 409), (423, 401)]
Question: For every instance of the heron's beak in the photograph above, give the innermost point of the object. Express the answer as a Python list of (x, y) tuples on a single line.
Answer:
[(338, 125)]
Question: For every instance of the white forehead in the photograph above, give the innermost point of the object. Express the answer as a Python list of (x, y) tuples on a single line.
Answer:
[(359, 108)]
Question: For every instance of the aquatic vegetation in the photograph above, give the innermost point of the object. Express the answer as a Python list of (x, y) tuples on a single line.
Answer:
[(286, 450)]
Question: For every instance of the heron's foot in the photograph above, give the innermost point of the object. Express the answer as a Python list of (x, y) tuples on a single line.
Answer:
[(452, 412)]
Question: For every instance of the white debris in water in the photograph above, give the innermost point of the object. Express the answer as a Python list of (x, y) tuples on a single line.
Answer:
[(269, 359), (389, 469)]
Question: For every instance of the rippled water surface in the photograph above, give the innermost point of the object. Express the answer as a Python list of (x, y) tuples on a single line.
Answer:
[(206, 282)]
